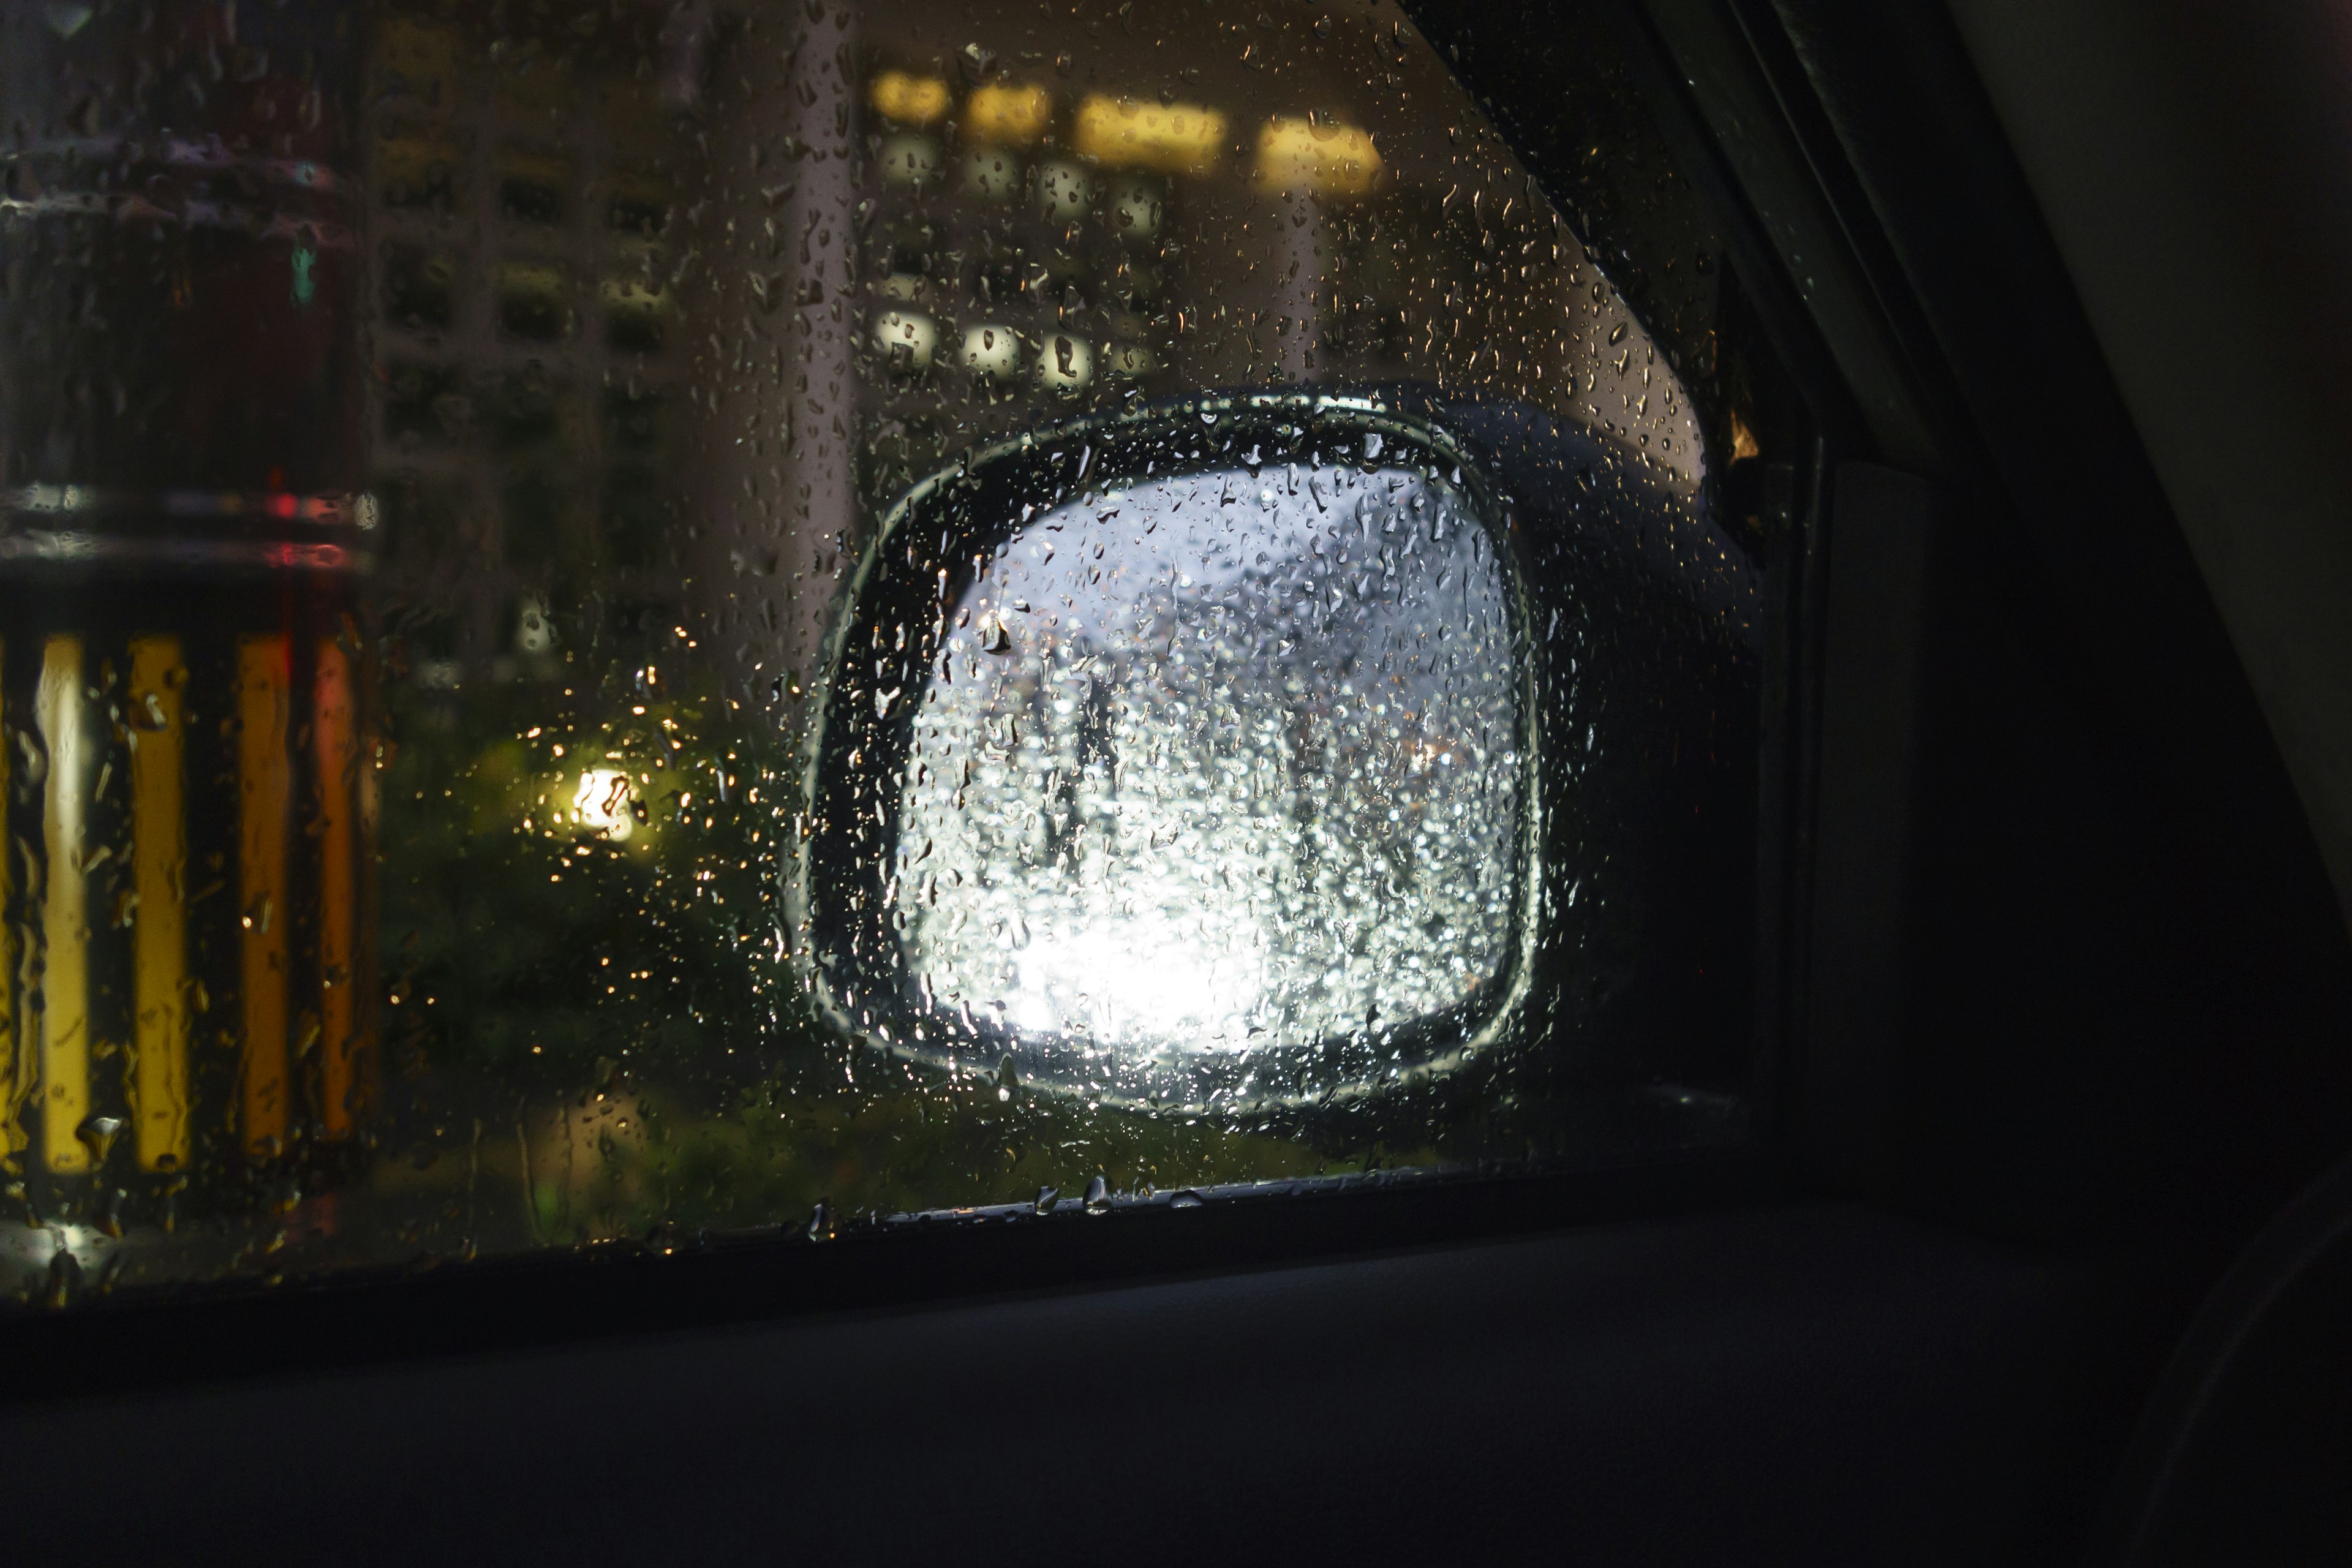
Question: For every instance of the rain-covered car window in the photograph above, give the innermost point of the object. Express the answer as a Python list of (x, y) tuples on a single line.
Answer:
[(440, 451)]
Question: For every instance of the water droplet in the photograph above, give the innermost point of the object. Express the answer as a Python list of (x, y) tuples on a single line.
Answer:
[(820, 1225), (1098, 1195), (1187, 1199), (1046, 1198), (98, 1134), (65, 1279)]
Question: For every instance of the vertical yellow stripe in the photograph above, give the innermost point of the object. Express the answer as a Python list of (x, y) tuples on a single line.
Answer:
[(264, 796), (65, 917), (159, 849), (338, 747)]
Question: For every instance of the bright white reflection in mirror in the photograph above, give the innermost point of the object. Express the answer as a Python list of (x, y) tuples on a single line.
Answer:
[(1220, 763)]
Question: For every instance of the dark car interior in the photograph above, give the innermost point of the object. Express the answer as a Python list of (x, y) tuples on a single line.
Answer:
[(2034, 1244)]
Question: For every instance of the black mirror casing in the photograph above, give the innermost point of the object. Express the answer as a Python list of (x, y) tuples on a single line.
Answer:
[(1634, 633)]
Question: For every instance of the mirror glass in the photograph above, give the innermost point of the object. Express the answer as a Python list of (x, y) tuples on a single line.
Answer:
[(1220, 763)]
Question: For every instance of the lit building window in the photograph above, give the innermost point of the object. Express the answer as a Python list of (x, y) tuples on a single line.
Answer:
[(908, 100), (1315, 156), (1006, 116), (1174, 138), (1066, 364), (910, 160), (908, 338), (1064, 191), (992, 351)]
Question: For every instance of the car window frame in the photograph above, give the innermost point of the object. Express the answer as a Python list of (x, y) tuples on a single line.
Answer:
[(669, 1280)]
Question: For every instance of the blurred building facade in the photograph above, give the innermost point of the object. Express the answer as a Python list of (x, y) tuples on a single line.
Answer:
[(714, 287), (525, 399)]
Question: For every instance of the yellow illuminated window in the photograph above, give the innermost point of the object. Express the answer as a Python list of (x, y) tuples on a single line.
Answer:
[(1175, 138), (158, 840), (1008, 116), (1317, 156), (65, 921), (910, 99)]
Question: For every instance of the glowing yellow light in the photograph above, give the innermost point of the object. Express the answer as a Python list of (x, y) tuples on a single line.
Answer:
[(908, 100), (64, 925), (159, 847), (1129, 359), (601, 804), (1325, 159), (1005, 116), (1175, 139), (1743, 439), (908, 337)]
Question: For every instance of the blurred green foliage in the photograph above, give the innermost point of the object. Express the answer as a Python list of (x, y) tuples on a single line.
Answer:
[(629, 1005)]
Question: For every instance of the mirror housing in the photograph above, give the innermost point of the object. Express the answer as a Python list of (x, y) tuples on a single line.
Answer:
[(1218, 884)]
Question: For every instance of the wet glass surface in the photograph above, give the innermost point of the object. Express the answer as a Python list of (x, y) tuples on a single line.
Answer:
[(1244, 769), (438, 453)]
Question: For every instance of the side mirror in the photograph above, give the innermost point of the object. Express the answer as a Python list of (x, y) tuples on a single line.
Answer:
[(1194, 756)]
